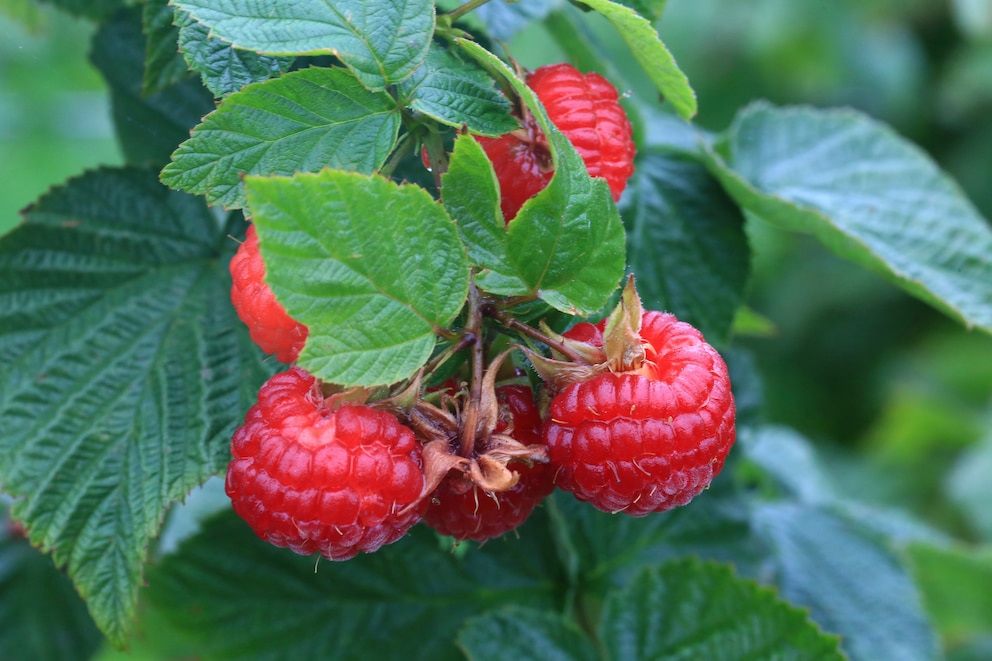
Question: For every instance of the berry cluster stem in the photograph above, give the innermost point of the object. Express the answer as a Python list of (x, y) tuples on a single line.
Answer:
[(535, 334), (474, 328)]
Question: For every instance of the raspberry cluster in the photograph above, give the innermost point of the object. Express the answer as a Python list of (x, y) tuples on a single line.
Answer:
[(637, 414)]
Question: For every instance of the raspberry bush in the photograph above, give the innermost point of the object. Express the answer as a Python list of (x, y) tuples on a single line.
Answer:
[(387, 342)]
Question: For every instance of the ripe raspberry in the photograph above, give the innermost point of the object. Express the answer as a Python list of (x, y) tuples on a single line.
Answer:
[(270, 327), (650, 439), (586, 109), (462, 510), (315, 479)]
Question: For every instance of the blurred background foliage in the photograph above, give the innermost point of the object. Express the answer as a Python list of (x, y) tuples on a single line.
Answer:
[(897, 397)]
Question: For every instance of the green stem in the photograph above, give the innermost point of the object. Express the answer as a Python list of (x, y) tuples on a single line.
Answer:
[(471, 5), (471, 417), (403, 149), (534, 333)]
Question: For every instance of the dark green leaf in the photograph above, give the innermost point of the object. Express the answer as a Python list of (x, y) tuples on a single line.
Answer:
[(868, 195), (650, 53), (567, 242), (41, 615), (148, 127), (605, 550), (788, 461), (846, 577), (457, 93), (164, 65), (686, 243), (956, 584), (382, 45), (125, 370), (373, 268), (304, 121), (224, 69), (693, 610), (243, 599), (525, 634)]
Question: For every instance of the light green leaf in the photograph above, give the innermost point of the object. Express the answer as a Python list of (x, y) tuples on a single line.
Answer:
[(956, 583), (842, 572), (689, 609), (686, 243), (525, 634), (304, 121), (457, 93), (381, 44), (372, 268), (470, 193), (124, 372), (567, 242), (224, 69), (240, 598), (650, 53), (868, 195)]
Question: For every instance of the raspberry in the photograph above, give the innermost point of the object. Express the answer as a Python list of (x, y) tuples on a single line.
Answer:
[(316, 479), (649, 439), (270, 327), (462, 510), (586, 109)]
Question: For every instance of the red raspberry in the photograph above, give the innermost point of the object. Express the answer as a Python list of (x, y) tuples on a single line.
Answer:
[(270, 327), (464, 511), (586, 109), (315, 479), (650, 439)]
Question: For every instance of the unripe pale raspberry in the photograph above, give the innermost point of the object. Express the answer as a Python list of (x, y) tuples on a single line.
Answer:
[(270, 327), (316, 479), (649, 440)]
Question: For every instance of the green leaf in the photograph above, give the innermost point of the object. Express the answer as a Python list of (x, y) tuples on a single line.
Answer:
[(304, 121), (164, 66), (525, 634), (224, 69), (605, 550), (842, 572), (689, 609), (372, 268), (470, 193), (125, 370), (651, 54), (41, 616), (868, 195), (567, 242), (243, 599), (686, 243), (457, 93), (649, 9), (382, 45), (956, 584), (148, 127)]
